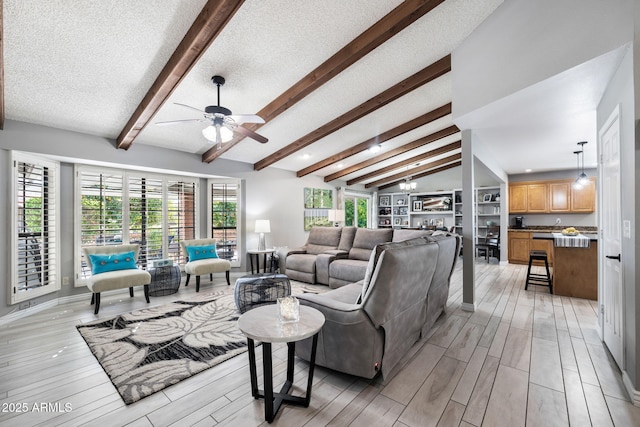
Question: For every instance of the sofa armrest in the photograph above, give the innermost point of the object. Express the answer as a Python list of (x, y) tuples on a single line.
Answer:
[(300, 250), (323, 261)]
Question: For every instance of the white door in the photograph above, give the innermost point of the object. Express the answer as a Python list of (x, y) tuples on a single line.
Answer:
[(610, 221)]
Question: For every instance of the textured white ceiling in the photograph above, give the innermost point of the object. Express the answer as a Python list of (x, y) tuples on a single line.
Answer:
[(85, 66)]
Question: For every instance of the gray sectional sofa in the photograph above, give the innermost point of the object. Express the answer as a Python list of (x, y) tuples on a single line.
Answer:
[(337, 256), (372, 323)]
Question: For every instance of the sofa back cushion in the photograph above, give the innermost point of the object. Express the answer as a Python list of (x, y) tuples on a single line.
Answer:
[(366, 239), (346, 239), (401, 279), (323, 239), (401, 235), (375, 255)]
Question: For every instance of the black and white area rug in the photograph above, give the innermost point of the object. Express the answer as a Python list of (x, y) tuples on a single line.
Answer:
[(147, 350)]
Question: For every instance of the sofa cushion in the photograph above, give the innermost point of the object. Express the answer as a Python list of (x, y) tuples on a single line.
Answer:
[(322, 239), (346, 239), (375, 255), (118, 279), (348, 270), (366, 239), (201, 252), (403, 234), (102, 263)]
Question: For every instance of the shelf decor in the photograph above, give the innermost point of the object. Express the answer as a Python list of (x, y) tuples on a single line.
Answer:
[(417, 206)]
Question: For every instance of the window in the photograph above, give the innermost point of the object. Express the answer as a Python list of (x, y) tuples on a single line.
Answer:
[(34, 218), (357, 210), (224, 208), (116, 207)]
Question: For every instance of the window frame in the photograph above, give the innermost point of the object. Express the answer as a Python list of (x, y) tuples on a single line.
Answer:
[(54, 198), (239, 222), (127, 176)]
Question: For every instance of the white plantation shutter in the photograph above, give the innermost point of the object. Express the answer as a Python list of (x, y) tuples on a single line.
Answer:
[(181, 216), (101, 211), (146, 218), (224, 211), (115, 207), (34, 240)]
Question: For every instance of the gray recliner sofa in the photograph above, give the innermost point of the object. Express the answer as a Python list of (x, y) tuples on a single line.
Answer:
[(300, 263), (371, 324)]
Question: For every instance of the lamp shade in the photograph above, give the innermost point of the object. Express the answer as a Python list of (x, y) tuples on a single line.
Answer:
[(263, 226), (336, 215)]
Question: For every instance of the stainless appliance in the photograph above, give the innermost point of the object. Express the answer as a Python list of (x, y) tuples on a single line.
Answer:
[(518, 222)]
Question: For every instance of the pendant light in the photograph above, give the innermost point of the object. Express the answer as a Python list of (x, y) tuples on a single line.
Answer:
[(577, 184), (583, 179), (407, 184)]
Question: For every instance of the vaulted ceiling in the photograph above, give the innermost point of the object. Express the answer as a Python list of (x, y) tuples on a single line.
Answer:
[(332, 79)]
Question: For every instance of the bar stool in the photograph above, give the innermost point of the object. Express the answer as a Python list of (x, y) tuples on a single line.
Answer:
[(539, 279)]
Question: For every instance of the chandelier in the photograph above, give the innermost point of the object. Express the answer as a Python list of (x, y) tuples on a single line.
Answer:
[(407, 184)]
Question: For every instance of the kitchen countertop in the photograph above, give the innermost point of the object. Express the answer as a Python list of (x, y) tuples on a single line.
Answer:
[(549, 236), (552, 229)]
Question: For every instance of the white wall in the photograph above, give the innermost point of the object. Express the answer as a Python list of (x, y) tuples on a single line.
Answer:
[(621, 93), (505, 51)]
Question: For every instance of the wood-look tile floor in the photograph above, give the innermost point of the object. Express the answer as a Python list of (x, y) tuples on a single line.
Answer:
[(523, 358)]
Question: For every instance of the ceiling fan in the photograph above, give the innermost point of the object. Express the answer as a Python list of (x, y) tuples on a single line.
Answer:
[(222, 122)]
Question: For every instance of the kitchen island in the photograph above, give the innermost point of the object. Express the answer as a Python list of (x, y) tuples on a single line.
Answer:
[(575, 269)]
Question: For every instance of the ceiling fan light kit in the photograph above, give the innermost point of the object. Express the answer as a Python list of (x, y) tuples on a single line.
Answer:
[(222, 122)]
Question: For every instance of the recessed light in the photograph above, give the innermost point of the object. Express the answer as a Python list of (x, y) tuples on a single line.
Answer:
[(306, 156), (527, 170), (375, 148), (339, 165)]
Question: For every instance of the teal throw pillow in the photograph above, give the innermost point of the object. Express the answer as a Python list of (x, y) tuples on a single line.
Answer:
[(201, 252), (101, 263)]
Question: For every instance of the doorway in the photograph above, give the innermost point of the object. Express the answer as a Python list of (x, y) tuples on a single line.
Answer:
[(611, 280)]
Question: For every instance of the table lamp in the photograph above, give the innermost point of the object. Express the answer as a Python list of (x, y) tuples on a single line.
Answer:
[(336, 216), (262, 226)]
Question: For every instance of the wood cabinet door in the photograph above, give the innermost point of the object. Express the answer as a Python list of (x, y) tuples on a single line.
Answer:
[(542, 245), (519, 247), (559, 196), (537, 198), (517, 198), (584, 199)]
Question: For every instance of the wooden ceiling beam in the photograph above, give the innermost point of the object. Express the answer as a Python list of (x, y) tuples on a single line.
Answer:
[(391, 24), (407, 85), (215, 15), (419, 158), (431, 172), (451, 130), (402, 175)]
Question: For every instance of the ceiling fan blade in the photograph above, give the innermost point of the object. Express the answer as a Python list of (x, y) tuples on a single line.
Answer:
[(251, 134), (176, 122), (189, 106), (246, 118)]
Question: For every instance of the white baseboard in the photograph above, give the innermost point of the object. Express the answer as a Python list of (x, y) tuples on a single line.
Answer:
[(7, 318), (633, 393), (465, 306)]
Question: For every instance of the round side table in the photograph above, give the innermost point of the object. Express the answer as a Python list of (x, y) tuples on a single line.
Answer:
[(262, 324)]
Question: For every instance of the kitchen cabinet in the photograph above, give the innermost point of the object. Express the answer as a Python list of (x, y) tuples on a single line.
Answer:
[(517, 198), (553, 196), (560, 196), (519, 247), (522, 242), (584, 199), (528, 198)]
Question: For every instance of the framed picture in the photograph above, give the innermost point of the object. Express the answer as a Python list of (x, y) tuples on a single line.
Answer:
[(417, 206), (385, 201), (486, 198), (439, 222), (396, 221), (400, 201)]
